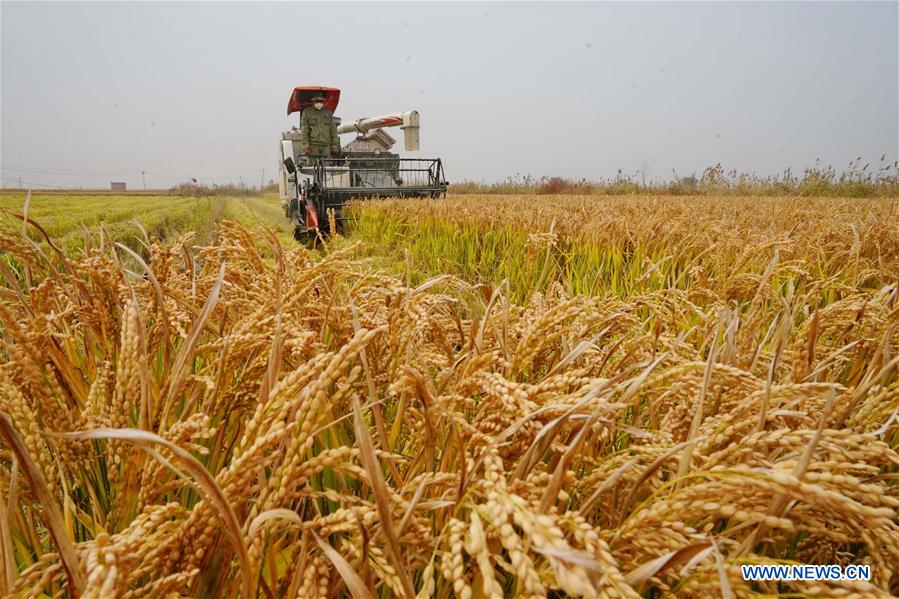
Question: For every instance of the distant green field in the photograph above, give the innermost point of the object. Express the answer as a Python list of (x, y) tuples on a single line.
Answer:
[(68, 219)]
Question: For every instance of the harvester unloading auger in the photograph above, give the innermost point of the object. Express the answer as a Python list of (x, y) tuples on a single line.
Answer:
[(364, 168)]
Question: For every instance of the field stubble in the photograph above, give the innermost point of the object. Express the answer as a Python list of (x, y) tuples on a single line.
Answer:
[(611, 400)]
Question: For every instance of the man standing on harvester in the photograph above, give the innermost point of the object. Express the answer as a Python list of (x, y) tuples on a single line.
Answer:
[(318, 131)]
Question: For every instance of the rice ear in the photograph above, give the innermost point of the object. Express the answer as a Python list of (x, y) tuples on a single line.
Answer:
[(8, 579), (382, 495), (52, 518), (672, 559), (355, 585), (726, 591), (273, 514), (274, 358), (687, 456), (49, 241), (186, 351), (205, 481), (160, 298), (373, 397)]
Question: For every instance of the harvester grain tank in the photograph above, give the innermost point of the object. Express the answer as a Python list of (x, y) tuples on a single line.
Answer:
[(364, 168)]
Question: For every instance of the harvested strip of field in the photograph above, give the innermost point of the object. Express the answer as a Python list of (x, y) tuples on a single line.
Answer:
[(325, 430), (69, 218), (266, 211), (64, 218)]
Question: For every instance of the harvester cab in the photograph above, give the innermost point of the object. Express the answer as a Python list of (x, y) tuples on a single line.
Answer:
[(364, 168)]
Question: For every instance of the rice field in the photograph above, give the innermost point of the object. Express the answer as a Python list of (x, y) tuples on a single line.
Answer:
[(483, 396), (76, 220)]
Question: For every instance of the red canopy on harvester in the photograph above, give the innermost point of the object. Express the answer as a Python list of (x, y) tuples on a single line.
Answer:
[(301, 98)]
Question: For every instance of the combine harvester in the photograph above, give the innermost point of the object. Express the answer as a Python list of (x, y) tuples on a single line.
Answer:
[(364, 168)]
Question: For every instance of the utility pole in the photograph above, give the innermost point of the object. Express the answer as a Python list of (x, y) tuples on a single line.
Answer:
[(143, 175), (20, 183), (262, 181)]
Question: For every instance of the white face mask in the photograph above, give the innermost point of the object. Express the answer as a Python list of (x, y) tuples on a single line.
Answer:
[(318, 105)]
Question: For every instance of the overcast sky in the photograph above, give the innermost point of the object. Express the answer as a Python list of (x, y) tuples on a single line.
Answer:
[(99, 91)]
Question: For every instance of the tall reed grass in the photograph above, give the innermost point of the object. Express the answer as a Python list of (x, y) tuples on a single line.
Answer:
[(858, 179)]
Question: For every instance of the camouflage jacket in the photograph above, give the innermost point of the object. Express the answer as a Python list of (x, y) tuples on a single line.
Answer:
[(317, 128)]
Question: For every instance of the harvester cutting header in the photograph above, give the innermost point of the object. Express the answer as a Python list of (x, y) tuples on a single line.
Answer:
[(317, 173)]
